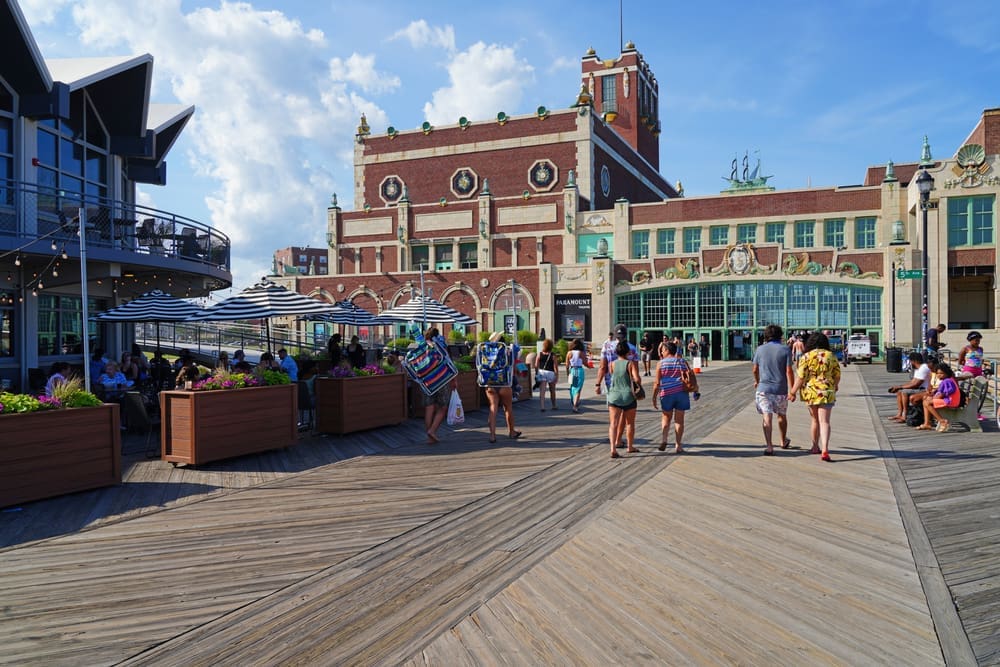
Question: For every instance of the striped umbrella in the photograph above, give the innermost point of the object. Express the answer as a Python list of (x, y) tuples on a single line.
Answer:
[(154, 306), (262, 302), (346, 313), (424, 309)]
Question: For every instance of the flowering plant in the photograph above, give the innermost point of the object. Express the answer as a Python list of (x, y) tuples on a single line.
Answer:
[(365, 371), (223, 379), (68, 395)]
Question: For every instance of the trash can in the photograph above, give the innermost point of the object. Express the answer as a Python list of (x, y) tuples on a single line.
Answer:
[(894, 359)]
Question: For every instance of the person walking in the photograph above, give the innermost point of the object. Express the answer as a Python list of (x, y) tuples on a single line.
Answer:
[(575, 362), (646, 352), (546, 373), (818, 379), (502, 397), (436, 404), (609, 351), (670, 396), (772, 376), (621, 398)]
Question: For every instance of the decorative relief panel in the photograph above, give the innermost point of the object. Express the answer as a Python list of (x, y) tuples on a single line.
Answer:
[(543, 175), (464, 182), (390, 190)]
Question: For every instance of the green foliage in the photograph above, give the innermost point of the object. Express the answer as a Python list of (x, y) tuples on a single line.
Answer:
[(387, 368), (561, 349), (464, 366), (526, 338), (455, 336), (16, 403), (272, 378), (81, 399), (399, 343), (483, 336)]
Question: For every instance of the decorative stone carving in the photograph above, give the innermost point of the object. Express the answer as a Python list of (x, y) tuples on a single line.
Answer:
[(683, 268), (740, 259)]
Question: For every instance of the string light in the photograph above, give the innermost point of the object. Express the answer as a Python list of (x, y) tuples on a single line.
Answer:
[(17, 260), (64, 255), (53, 244)]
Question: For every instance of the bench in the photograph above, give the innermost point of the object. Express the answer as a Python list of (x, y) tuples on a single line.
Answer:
[(969, 415)]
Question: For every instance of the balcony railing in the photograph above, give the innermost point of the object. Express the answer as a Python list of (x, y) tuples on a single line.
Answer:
[(29, 211)]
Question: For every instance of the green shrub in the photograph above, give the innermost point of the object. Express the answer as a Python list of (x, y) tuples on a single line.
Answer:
[(399, 343), (455, 337), (272, 378), (526, 338), (561, 349)]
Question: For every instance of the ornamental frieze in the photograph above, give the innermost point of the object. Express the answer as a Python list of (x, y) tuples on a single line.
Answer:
[(971, 169), (740, 259)]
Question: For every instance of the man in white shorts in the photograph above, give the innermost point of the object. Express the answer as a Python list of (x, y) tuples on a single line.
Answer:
[(772, 376)]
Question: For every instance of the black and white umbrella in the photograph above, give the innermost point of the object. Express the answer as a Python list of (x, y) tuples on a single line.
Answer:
[(154, 306), (424, 309), (346, 313), (262, 302)]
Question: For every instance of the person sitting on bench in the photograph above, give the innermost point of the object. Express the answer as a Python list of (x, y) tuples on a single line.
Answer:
[(914, 390)]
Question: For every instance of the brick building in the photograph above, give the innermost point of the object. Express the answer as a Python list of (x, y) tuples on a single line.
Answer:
[(562, 220)]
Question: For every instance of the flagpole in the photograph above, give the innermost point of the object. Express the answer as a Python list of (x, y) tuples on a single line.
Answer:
[(82, 218)]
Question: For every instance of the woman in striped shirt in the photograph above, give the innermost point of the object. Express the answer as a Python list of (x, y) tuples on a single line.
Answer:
[(671, 398)]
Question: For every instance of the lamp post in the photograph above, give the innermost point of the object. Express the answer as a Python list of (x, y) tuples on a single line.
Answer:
[(925, 183)]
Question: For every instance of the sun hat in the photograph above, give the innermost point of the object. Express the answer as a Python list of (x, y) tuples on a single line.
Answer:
[(495, 336)]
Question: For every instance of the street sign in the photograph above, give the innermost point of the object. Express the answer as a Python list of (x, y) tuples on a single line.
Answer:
[(909, 274)]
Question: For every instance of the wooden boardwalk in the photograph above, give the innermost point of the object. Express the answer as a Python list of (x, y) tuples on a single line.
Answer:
[(371, 549), (952, 481)]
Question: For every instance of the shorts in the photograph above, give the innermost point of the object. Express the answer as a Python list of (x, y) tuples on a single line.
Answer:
[(771, 404), (677, 401), (631, 406), (440, 397), (943, 403), (646, 355), (911, 392)]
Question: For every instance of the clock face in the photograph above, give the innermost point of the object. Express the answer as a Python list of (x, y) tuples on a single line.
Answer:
[(605, 181)]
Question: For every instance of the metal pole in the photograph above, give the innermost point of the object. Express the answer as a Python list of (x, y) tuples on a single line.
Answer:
[(82, 217), (423, 298), (924, 197), (892, 324)]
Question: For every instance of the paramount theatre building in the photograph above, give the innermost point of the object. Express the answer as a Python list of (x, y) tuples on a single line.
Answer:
[(561, 220)]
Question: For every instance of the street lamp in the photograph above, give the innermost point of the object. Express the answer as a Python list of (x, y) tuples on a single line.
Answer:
[(925, 183)]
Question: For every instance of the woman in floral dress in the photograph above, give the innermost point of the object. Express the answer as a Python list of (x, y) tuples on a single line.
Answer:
[(818, 379)]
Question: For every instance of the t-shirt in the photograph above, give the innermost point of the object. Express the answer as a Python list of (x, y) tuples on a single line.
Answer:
[(289, 366), (932, 338), (923, 374), (772, 360)]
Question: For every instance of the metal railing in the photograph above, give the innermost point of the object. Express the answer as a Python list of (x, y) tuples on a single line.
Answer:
[(210, 338), (29, 211)]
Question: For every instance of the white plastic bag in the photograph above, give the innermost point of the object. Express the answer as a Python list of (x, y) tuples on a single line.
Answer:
[(456, 414)]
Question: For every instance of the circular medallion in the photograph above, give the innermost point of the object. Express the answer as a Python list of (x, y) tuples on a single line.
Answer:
[(543, 175), (605, 181), (739, 259), (484, 283)]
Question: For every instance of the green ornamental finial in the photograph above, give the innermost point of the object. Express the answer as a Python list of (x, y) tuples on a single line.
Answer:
[(890, 172), (925, 154)]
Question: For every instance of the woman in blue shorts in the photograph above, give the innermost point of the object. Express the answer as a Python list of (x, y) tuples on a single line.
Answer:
[(671, 397)]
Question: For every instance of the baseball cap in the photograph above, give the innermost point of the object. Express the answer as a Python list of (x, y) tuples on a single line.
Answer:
[(621, 331)]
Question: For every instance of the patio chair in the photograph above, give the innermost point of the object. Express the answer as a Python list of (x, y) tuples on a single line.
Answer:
[(137, 418)]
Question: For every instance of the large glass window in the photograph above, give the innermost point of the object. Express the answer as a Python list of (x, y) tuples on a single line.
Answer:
[(770, 303), (72, 155), (656, 308), (805, 233), (718, 235), (833, 233), (60, 324), (866, 307), (420, 257), (802, 306), (6, 322), (833, 306), (665, 241), (609, 95), (444, 257), (864, 232), (746, 233), (640, 245), (741, 305), (774, 232), (692, 239), (711, 306), (970, 220), (468, 256), (6, 146), (682, 307)]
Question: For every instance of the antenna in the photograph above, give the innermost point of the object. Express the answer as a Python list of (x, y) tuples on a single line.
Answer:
[(621, 37)]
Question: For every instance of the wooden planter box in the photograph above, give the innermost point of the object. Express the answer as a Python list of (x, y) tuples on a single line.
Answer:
[(202, 426), (346, 405), (468, 391), (46, 454)]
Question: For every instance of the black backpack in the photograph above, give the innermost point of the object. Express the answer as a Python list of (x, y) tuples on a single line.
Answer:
[(915, 415)]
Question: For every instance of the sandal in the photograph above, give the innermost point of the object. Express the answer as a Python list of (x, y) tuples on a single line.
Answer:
[(926, 427), (787, 443), (515, 435), (769, 451), (615, 455), (634, 450), (662, 447), (943, 425)]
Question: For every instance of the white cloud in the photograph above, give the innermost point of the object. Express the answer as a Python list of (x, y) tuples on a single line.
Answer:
[(360, 70), (483, 80), (41, 12), (274, 119), (420, 34)]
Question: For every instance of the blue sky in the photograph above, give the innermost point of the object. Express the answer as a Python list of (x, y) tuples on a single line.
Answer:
[(822, 90)]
